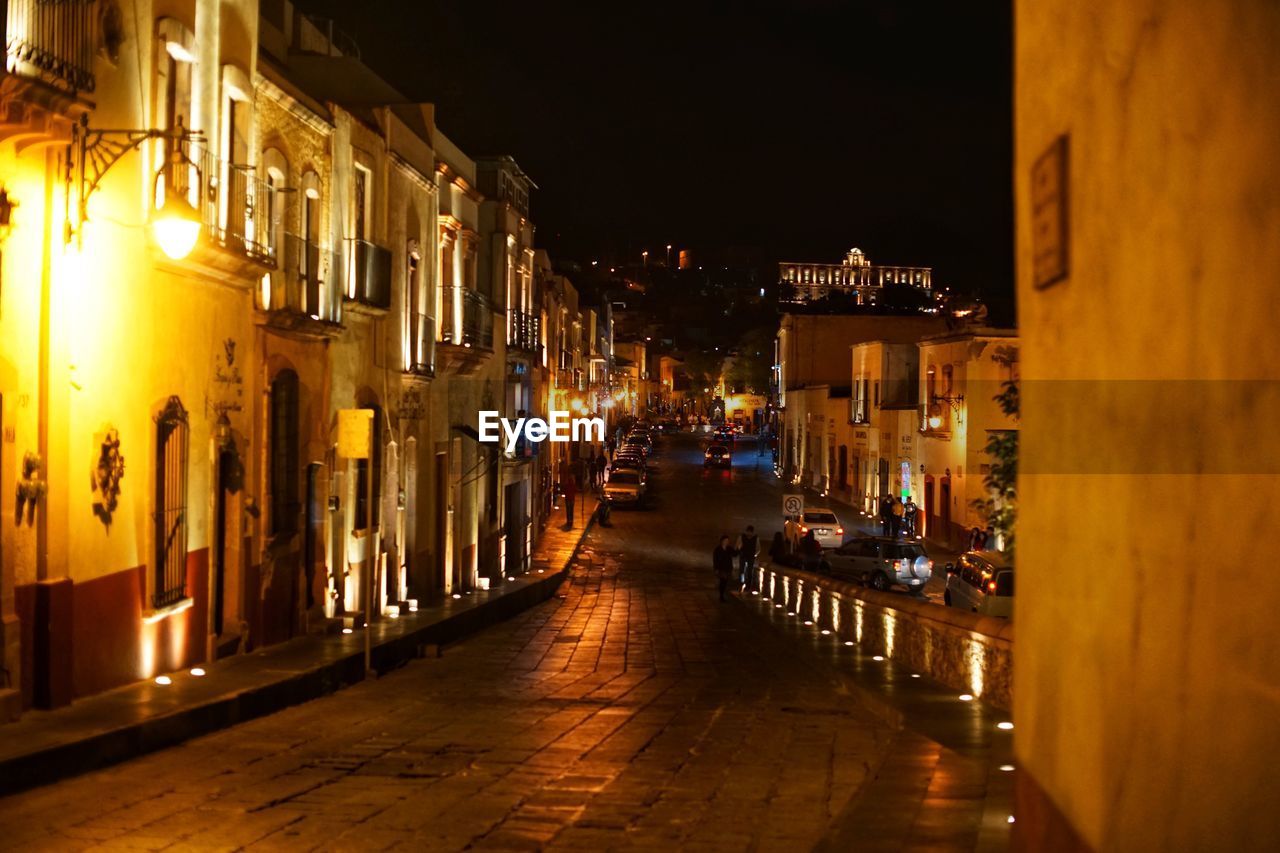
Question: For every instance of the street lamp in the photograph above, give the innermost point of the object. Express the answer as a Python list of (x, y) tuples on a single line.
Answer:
[(175, 224)]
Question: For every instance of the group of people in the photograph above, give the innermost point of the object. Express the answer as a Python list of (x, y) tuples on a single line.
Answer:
[(898, 517), (981, 540), (745, 550), (584, 472)]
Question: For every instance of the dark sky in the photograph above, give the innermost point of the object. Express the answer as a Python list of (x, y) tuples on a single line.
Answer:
[(800, 128)]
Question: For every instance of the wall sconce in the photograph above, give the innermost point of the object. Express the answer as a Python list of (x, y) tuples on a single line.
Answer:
[(935, 407), (91, 154)]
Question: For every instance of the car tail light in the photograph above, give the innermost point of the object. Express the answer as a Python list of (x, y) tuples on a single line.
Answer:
[(840, 531), (804, 529), (991, 586)]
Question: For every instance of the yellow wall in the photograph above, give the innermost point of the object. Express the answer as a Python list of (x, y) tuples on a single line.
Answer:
[(1147, 692)]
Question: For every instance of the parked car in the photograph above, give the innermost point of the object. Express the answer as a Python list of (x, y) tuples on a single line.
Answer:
[(717, 455), (641, 440), (626, 486), (628, 459), (826, 528), (982, 581), (882, 563)]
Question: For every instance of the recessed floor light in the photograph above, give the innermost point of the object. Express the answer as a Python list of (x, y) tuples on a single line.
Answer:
[(966, 697), (164, 680), (1005, 725), (915, 675), (825, 632), (1006, 768), (346, 630), (848, 642), (877, 657), (197, 671)]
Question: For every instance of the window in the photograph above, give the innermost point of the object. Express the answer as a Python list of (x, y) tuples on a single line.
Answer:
[(170, 505), (360, 203), (283, 468)]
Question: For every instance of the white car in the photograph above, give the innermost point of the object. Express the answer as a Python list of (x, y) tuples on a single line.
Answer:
[(881, 563), (626, 487), (982, 581), (826, 528)]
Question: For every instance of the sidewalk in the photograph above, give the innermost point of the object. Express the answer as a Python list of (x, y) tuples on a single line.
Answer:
[(110, 727)]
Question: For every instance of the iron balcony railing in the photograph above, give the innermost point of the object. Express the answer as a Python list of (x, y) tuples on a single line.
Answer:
[(468, 318), (569, 380), (422, 344), (230, 199), (524, 331), (52, 40), (306, 281), (370, 282)]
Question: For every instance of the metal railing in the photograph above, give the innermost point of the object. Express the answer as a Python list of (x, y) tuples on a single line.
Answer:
[(370, 282), (524, 331), (53, 39), (422, 344), (229, 199), (468, 318), (306, 280)]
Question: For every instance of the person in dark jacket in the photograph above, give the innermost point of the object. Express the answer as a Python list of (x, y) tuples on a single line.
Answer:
[(810, 553), (569, 488), (778, 552), (748, 550), (722, 562)]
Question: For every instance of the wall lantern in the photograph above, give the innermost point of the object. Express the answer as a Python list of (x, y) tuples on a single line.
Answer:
[(175, 224), (935, 407)]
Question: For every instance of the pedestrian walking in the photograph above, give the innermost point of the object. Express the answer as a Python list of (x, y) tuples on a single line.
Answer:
[(598, 470), (748, 550), (569, 488), (810, 553), (722, 562)]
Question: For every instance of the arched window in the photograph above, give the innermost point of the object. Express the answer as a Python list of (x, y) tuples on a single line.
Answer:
[(170, 514), (283, 467)]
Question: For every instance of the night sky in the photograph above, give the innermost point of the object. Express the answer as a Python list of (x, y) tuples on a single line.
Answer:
[(799, 129)]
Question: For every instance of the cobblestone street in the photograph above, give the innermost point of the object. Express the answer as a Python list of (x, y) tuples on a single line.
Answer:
[(634, 710)]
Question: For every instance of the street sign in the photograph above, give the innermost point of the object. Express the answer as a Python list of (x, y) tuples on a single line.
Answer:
[(792, 504), (355, 431)]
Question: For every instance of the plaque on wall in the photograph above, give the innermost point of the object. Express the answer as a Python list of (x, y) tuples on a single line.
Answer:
[(1049, 225)]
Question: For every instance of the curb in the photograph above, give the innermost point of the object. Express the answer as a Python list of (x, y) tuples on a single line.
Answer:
[(51, 764)]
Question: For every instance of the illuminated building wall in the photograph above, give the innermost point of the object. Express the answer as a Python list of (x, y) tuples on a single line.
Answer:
[(1146, 699)]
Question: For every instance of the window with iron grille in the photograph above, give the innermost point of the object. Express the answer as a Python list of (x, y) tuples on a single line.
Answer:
[(171, 505), (285, 503)]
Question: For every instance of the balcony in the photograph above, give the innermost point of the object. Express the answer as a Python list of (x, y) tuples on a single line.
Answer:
[(421, 346), (229, 198), (370, 282), (49, 49), (524, 332), (301, 296), (52, 41), (466, 328)]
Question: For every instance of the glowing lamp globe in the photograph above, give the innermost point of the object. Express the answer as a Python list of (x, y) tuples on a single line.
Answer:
[(176, 227), (935, 421)]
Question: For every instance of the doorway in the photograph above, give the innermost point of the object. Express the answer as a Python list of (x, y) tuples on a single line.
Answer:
[(442, 545), (944, 511), (226, 470)]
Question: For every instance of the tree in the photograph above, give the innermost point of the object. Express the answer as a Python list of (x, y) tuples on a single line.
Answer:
[(1000, 507)]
